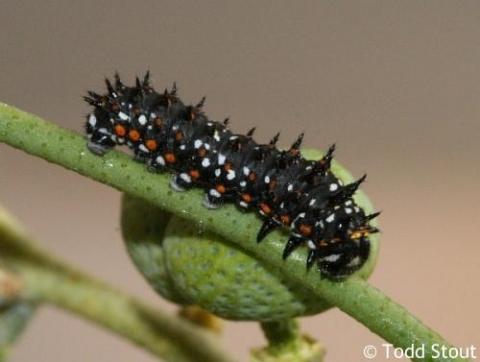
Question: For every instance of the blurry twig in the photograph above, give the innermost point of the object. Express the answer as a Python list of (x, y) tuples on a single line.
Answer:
[(39, 278)]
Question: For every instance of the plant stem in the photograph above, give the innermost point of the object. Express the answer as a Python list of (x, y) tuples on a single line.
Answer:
[(281, 332), (354, 296), (285, 343), (45, 279)]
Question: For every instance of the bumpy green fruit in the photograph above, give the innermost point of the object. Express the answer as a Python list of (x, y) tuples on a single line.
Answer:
[(189, 266)]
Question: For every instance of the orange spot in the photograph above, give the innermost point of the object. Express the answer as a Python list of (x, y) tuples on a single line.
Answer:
[(202, 152), (192, 115), (158, 121), (120, 131), (178, 136), (272, 184), (228, 166), (220, 188), (134, 135), (285, 219), (170, 157), (265, 208), (195, 174), (305, 229), (136, 110), (247, 198), (358, 234), (151, 145), (252, 176)]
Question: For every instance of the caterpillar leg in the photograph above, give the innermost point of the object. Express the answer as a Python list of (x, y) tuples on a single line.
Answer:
[(181, 182), (212, 200), (98, 148), (178, 184)]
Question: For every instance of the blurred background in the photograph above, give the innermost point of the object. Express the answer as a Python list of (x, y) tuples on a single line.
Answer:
[(395, 84)]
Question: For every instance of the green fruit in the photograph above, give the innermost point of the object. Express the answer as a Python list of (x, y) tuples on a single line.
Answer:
[(189, 266)]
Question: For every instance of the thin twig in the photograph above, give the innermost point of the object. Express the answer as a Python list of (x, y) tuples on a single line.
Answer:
[(47, 280)]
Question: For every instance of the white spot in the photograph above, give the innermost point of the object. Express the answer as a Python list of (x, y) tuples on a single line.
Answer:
[(319, 223), (103, 130), (333, 187), (218, 172), (267, 179), (330, 218), (216, 136), (290, 187), (92, 120), (153, 115), (332, 258), (243, 204), (197, 143), (221, 159), (311, 245), (354, 262), (182, 147), (357, 209), (214, 193), (230, 175), (243, 183), (142, 120), (143, 148), (160, 160), (299, 216), (312, 202), (308, 168), (348, 210), (123, 116), (186, 177), (209, 124), (233, 138), (348, 203), (207, 146), (206, 162), (246, 171)]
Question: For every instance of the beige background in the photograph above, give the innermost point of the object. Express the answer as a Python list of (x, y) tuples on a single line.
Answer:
[(395, 84)]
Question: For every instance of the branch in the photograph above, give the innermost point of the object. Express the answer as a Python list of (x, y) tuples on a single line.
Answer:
[(47, 280), (354, 296)]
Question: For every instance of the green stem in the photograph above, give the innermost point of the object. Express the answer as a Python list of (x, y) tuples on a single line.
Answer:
[(45, 279), (354, 296), (281, 332), (285, 343)]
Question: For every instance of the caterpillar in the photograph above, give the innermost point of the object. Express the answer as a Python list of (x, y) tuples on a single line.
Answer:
[(282, 186)]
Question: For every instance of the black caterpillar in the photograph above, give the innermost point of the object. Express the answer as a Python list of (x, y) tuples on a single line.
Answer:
[(286, 189)]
